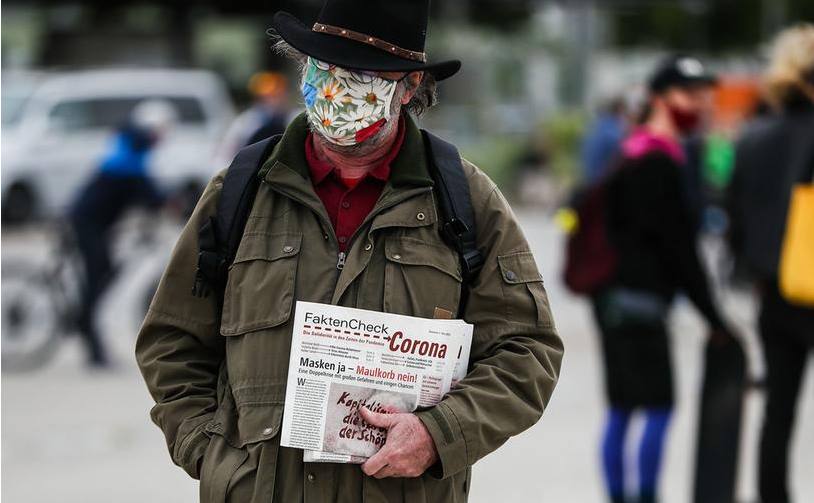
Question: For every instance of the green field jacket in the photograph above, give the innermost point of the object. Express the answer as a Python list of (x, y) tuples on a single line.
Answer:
[(218, 376)]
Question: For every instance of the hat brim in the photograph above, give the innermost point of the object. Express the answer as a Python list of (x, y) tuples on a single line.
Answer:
[(352, 54), (706, 80)]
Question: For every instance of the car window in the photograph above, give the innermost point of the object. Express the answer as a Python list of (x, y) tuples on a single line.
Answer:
[(13, 104), (106, 113)]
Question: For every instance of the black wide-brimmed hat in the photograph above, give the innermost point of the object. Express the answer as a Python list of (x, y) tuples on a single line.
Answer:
[(372, 35)]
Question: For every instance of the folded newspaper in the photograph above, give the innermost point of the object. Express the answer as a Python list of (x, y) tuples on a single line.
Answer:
[(343, 359)]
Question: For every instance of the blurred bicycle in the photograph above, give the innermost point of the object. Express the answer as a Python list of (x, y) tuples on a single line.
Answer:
[(40, 303), (41, 299)]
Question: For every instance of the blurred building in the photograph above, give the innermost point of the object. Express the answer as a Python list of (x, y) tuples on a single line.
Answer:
[(555, 43), (525, 61)]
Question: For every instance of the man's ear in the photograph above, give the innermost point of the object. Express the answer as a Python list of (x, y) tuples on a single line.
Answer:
[(413, 80)]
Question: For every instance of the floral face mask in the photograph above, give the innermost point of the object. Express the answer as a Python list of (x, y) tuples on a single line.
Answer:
[(346, 107)]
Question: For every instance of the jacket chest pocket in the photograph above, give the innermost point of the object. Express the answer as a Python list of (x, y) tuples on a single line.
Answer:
[(260, 289), (420, 277)]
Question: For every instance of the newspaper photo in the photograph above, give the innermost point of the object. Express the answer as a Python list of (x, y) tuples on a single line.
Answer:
[(459, 373), (343, 359)]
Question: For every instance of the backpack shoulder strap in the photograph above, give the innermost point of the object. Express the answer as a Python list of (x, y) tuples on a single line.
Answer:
[(455, 202), (220, 235)]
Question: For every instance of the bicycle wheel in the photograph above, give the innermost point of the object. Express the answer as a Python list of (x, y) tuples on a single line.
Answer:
[(30, 320)]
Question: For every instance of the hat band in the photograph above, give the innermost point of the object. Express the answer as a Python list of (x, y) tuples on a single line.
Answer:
[(367, 39)]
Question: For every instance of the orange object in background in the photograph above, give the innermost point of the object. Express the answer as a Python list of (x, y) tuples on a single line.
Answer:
[(735, 101), (268, 84)]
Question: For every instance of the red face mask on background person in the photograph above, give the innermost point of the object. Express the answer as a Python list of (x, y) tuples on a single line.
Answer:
[(687, 121)]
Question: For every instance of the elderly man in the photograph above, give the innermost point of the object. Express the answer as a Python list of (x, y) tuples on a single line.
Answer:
[(346, 214)]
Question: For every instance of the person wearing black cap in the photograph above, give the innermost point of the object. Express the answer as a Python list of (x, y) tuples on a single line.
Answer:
[(347, 212), (655, 239)]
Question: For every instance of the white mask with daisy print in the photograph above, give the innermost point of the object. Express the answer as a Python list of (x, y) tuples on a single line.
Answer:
[(346, 107)]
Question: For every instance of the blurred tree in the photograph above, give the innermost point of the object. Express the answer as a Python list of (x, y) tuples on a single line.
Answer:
[(704, 25)]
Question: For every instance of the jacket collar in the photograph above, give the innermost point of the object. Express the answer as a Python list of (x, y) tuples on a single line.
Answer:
[(408, 170)]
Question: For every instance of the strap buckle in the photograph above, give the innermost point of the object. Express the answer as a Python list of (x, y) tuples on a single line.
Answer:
[(211, 267), (472, 262)]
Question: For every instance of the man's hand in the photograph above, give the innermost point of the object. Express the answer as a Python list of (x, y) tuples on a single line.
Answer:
[(408, 451)]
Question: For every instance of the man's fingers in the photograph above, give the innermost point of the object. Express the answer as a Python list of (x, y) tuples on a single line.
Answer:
[(385, 472), (376, 418), (376, 462)]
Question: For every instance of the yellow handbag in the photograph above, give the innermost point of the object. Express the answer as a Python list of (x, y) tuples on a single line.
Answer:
[(797, 254)]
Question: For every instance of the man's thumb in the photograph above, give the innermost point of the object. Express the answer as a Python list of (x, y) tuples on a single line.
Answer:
[(376, 418)]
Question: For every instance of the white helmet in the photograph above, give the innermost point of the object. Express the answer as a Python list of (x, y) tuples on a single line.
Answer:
[(155, 115)]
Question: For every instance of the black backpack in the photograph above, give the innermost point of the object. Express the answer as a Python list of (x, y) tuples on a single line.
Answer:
[(219, 236)]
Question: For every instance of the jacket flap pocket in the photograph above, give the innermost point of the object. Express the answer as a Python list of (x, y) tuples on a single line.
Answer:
[(260, 288), (519, 267), (420, 212), (269, 247), (411, 251), (258, 422)]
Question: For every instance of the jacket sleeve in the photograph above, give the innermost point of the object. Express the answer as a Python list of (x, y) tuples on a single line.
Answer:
[(680, 240), (179, 349), (516, 352)]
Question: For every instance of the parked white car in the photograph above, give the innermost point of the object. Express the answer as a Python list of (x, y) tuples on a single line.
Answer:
[(56, 127)]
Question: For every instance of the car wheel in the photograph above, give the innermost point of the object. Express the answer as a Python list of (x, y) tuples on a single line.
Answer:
[(19, 205)]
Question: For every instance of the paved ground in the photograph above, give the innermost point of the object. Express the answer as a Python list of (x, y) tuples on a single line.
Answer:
[(70, 436)]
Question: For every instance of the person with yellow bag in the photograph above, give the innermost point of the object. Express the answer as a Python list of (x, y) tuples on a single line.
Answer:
[(772, 234)]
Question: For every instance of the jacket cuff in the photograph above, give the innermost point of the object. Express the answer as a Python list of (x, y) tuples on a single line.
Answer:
[(192, 450), (446, 433)]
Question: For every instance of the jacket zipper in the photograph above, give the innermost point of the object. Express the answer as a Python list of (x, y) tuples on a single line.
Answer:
[(342, 256)]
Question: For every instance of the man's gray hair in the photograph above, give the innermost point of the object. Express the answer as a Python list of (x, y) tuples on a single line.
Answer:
[(425, 96)]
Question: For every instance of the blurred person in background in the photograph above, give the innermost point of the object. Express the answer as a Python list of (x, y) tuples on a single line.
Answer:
[(268, 116), (121, 182), (604, 139), (655, 239), (775, 153)]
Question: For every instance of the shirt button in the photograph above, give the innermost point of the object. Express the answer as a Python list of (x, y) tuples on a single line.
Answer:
[(397, 256), (267, 431), (311, 477), (421, 216), (288, 249), (368, 247), (345, 204), (511, 276), (342, 239)]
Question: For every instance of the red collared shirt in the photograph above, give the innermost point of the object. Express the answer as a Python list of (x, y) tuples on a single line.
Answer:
[(349, 202)]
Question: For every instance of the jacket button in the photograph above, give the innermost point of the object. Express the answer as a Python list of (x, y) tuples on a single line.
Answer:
[(368, 247), (288, 249), (397, 256), (311, 477), (511, 276), (421, 216), (267, 431)]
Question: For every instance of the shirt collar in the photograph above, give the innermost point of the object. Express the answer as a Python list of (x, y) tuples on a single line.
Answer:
[(321, 169)]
